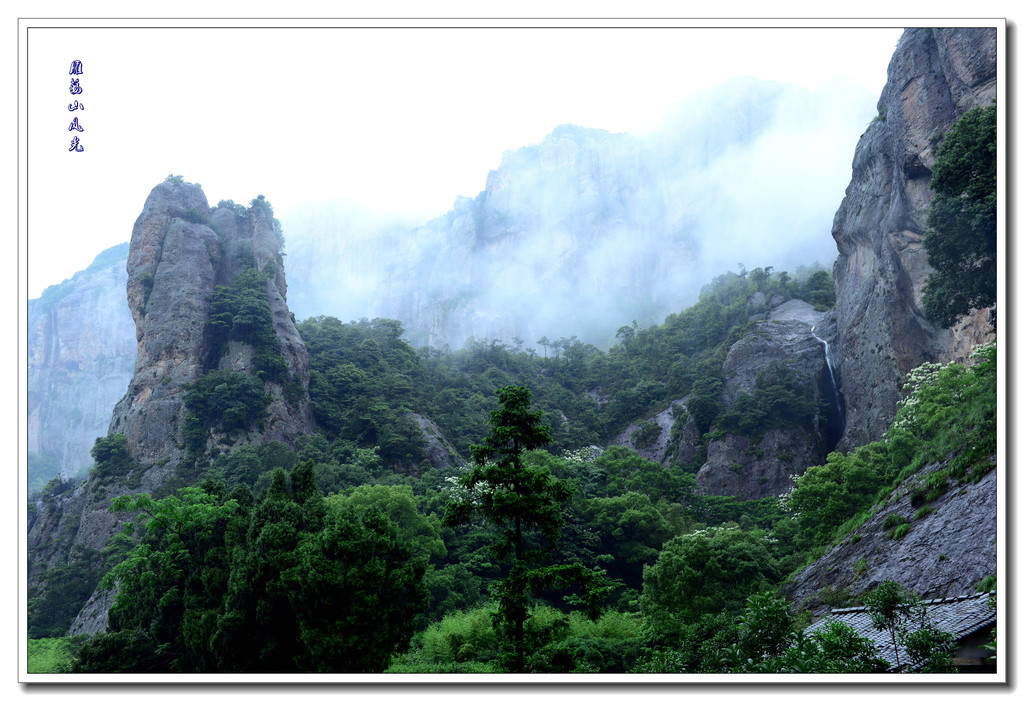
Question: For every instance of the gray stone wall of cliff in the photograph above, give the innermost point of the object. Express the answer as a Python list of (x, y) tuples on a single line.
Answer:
[(794, 334), (947, 551), (746, 468), (174, 263), (934, 77), (81, 356)]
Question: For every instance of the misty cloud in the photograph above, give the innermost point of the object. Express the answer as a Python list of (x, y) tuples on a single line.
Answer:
[(587, 231)]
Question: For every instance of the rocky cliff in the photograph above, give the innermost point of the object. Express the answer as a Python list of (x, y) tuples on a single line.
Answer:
[(180, 251), (588, 230), (81, 355), (934, 77), (950, 547), (751, 467), (791, 337)]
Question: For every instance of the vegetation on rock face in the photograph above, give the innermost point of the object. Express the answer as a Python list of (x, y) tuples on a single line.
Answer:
[(111, 458), (228, 400), (224, 400), (949, 415), (780, 400), (961, 235)]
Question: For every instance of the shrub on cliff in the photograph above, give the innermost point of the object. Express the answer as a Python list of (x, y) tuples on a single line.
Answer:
[(961, 235), (229, 401)]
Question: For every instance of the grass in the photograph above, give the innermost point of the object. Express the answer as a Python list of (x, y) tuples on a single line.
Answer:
[(50, 655)]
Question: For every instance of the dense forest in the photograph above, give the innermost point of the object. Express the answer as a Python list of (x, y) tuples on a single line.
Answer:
[(533, 549)]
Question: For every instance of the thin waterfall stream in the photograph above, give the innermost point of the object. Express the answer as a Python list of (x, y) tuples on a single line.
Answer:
[(838, 413)]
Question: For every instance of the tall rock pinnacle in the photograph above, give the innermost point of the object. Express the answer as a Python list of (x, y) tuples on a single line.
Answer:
[(180, 251), (184, 260)]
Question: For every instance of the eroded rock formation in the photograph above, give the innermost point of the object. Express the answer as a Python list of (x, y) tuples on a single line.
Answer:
[(175, 261), (751, 468), (80, 359), (180, 251), (934, 77), (950, 547)]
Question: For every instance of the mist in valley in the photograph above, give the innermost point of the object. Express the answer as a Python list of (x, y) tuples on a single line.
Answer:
[(587, 230)]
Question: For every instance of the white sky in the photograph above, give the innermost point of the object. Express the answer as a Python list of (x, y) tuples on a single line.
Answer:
[(399, 120)]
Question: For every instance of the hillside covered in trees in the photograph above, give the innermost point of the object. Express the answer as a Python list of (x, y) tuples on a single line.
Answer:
[(231, 573)]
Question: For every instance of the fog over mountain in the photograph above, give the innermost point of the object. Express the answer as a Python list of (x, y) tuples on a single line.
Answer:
[(588, 230)]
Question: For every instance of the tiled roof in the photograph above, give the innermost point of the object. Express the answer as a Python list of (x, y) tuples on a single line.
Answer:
[(959, 615)]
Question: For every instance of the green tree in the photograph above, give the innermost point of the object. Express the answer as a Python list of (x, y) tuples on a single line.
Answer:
[(355, 591), (631, 530), (170, 586), (961, 235), (525, 500), (704, 573), (891, 607), (110, 454)]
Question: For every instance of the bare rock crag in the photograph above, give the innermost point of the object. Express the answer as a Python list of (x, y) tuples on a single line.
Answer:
[(793, 334), (935, 75), (80, 359), (174, 264), (180, 250)]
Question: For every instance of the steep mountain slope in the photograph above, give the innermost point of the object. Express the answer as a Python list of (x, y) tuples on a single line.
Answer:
[(934, 77), (81, 355), (946, 552), (588, 230)]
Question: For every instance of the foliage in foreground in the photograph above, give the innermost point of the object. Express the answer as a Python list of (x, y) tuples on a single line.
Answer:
[(293, 583), (50, 655), (523, 499)]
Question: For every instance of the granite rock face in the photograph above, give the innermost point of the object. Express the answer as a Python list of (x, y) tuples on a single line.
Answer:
[(174, 263), (794, 334), (945, 553), (176, 259), (934, 77), (81, 357), (436, 447), (740, 466), (658, 449)]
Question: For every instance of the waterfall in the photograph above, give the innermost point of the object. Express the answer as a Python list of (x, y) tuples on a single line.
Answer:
[(828, 360), (838, 406)]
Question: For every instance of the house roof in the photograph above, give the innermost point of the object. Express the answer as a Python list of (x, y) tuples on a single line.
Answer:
[(958, 615)]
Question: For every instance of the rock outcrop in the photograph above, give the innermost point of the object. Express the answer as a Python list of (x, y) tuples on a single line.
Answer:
[(176, 260), (946, 552), (753, 467), (934, 77), (180, 251), (658, 448), (81, 357), (436, 447)]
